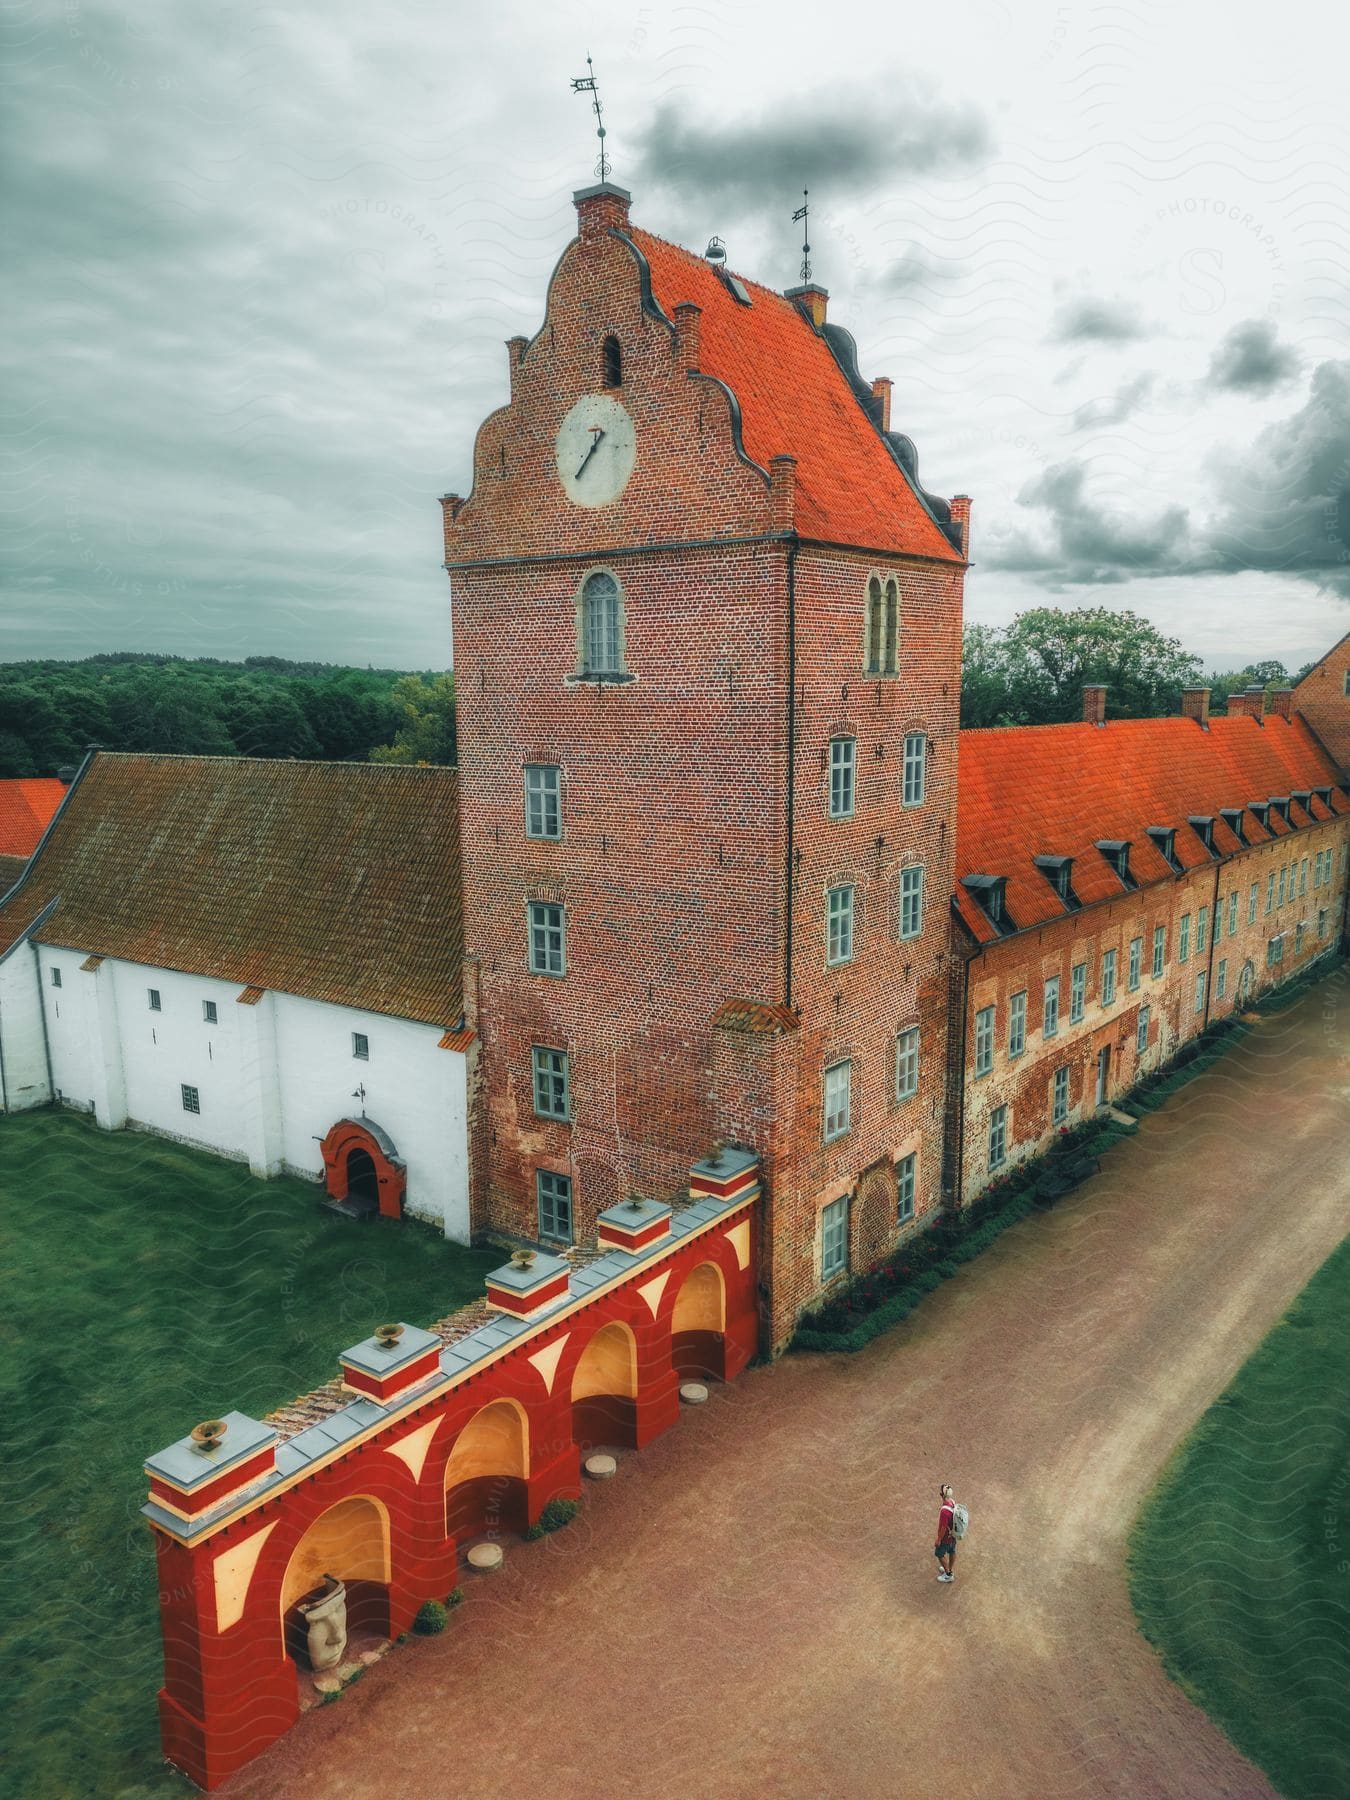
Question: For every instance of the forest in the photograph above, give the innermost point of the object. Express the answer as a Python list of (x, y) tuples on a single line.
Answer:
[(1029, 672), (51, 713)]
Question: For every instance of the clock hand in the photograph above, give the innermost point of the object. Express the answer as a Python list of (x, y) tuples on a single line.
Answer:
[(595, 445)]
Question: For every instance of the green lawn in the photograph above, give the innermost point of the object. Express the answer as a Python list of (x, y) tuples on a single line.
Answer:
[(1240, 1561), (147, 1286)]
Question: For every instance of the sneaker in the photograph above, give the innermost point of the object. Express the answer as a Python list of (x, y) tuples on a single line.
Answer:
[(945, 1578)]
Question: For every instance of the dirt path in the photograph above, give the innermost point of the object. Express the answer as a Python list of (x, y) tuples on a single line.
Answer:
[(751, 1609)]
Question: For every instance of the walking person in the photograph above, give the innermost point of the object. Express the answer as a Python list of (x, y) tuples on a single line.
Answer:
[(945, 1548)]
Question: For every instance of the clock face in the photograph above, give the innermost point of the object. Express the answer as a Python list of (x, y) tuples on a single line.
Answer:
[(596, 448)]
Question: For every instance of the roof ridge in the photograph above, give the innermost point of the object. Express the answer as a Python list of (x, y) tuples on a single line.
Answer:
[(702, 262), (279, 762)]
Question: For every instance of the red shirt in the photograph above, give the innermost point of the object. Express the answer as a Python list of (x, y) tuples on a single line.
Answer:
[(945, 1518)]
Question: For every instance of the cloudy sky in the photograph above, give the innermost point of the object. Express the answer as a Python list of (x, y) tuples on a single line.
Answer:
[(260, 264)]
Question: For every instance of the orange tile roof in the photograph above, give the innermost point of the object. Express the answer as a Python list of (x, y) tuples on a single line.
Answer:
[(1057, 790), (26, 808), (335, 881), (796, 401)]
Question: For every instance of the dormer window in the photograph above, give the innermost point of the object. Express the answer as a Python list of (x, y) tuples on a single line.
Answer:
[(1324, 795), (989, 894), (1058, 871), (1281, 806), (1203, 827), (1117, 853), (613, 358), (1304, 799), (1165, 842), (1232, 818)]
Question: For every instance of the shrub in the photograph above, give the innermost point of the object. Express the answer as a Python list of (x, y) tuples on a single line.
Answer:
[(453, 1598), (554, 1516), (430, 1621)]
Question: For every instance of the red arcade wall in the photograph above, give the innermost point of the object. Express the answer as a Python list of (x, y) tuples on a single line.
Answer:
[(438, 1443)]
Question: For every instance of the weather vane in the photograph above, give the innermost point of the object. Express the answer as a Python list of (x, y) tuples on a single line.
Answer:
[(803, 213), (587, 84)]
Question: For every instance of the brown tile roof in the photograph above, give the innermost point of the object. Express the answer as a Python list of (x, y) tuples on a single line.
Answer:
[(334, 881), (1057, 790), (11, 867), (755, 1016)]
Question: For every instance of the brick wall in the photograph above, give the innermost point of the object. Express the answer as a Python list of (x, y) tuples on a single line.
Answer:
[(1023, 963), (674, 861), (1323, 697), (854, 1011)]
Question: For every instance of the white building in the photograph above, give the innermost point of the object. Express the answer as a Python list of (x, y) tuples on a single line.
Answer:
[(260, 958)]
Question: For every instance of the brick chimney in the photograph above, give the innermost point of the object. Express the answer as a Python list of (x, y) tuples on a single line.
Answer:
[(1195, 705), (601, 208), (881, 390), (450, 505), (688, 335), (1094, 705), (782, 492), (1282, 702), (1237, 706), (960, 504), (1256, 700), (812, 299)]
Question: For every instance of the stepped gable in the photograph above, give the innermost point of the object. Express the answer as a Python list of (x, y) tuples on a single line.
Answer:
[(334, 881), (1058, 790), (1323, 698), (796, 401), (26, 809)]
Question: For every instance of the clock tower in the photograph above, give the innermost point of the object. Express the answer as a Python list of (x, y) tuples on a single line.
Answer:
[(707, 657)]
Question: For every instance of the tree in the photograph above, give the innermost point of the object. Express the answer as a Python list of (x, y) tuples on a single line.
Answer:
[(1033, 671), (1237, 681), (984, 677), (426, 732)]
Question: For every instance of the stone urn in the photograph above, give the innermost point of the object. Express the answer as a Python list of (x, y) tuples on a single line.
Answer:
[(326, 1618)]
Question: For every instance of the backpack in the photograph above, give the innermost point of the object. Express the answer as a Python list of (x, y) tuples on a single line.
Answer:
[(960, 1521)]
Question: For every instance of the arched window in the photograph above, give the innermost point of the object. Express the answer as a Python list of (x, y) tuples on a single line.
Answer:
[(888, 653), (613, 363), (883, 627), (874, 627), (601, 625)]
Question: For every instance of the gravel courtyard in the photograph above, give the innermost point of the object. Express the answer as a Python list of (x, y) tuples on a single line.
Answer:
[(751, 1609)]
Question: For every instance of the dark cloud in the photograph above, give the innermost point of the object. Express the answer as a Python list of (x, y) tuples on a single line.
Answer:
[(1284, 504), (1117, 407), (1079, 542), (839, 145), (1097, 321), (1252, 360)]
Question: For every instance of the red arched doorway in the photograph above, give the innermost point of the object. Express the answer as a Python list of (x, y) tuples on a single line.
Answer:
[(363, 1170)]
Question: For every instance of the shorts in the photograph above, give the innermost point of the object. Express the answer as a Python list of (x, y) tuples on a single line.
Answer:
[(946, 1548)]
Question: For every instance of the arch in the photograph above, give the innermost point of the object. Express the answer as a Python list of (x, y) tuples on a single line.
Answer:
[(612, 353), (1246, 981), (487, 1471), (604, 1389), (891, 641), (874, 626), (391, 1173), (600, 625), (351, 1541), (698, 1325)]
